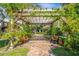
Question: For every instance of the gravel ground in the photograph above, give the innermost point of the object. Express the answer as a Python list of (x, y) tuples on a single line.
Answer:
[(38, 48)]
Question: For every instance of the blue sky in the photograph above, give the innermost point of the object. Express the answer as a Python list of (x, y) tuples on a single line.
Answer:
[(49, 5)]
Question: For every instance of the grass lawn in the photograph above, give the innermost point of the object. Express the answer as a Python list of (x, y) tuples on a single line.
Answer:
[(15, 52)]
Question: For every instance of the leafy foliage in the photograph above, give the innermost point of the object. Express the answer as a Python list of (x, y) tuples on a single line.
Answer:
[(12, 7), (60, 51)]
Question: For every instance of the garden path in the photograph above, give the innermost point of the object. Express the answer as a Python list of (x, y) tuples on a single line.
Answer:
[(38, 48)]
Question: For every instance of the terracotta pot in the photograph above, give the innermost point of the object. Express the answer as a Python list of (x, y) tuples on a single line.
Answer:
[(24, 39), (61, 42), (55, 37)]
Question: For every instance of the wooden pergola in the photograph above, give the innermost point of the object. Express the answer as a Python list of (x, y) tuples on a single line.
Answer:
[(43, 17)]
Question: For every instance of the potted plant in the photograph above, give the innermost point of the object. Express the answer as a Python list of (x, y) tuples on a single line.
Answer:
[(61, 40), (54, 33), (24, 39), (24, 33)]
